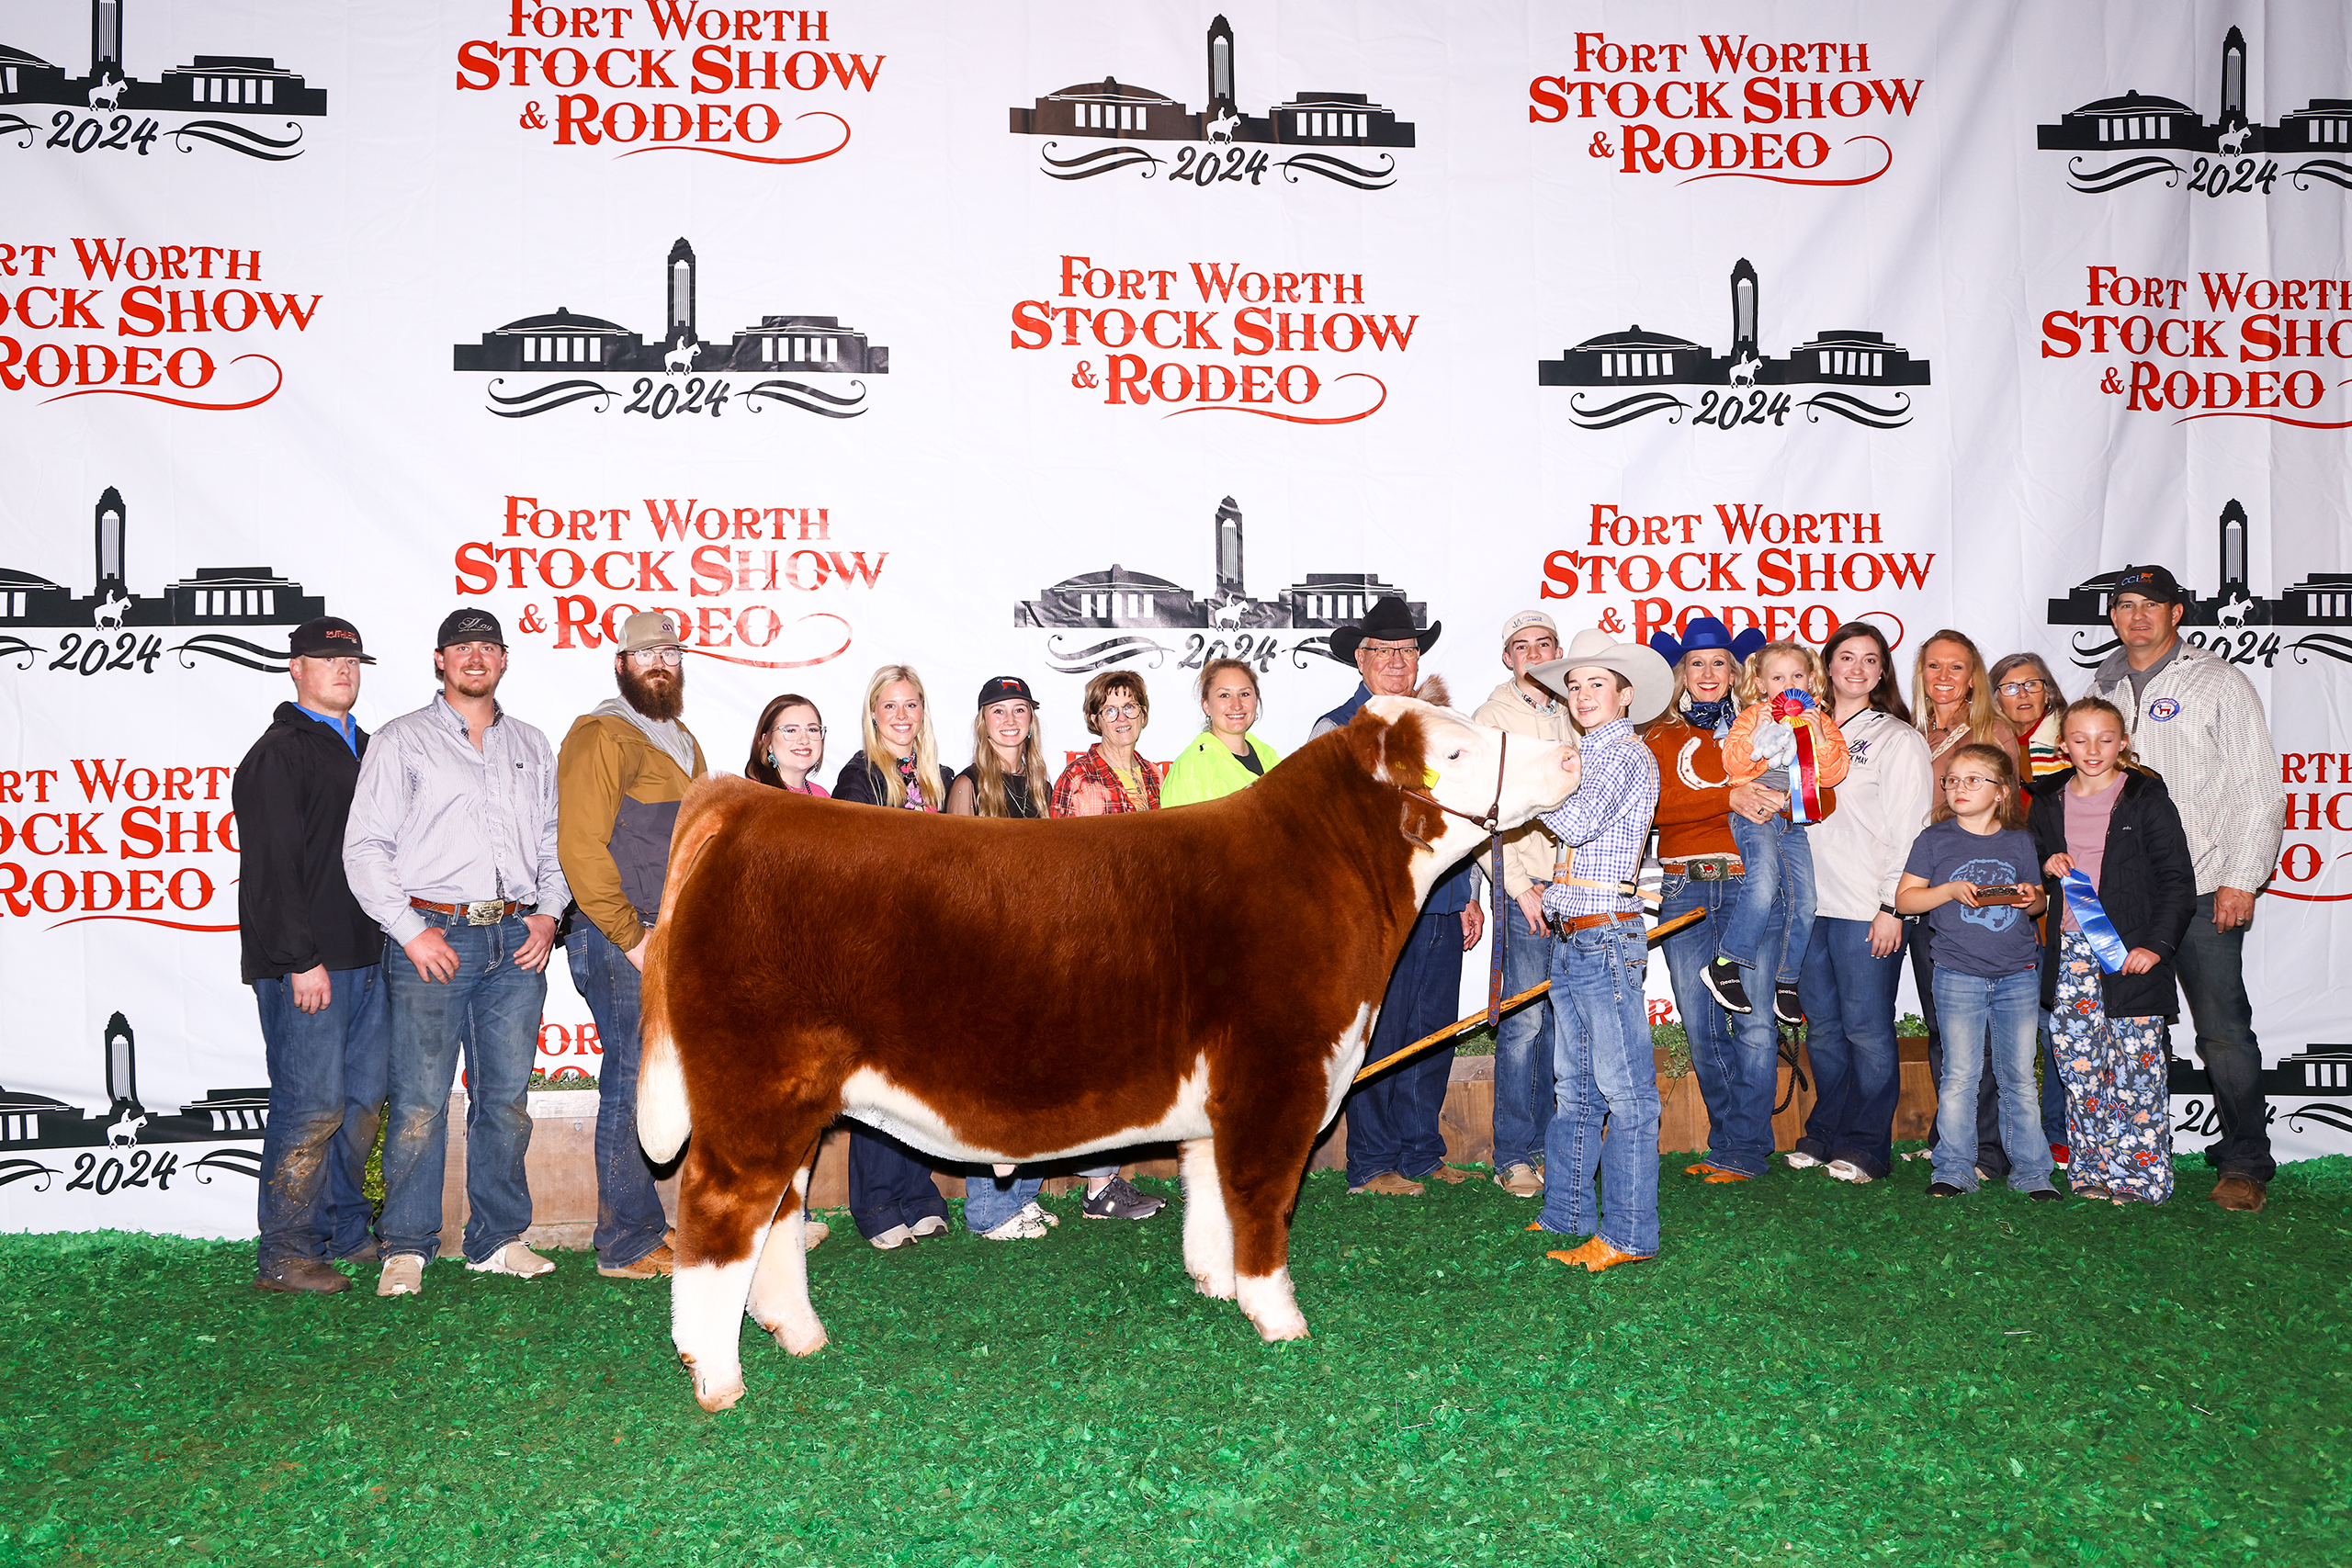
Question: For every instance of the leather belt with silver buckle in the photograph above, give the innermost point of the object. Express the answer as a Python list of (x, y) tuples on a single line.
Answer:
[(1564, 928), (1705, 868), (481, 912)]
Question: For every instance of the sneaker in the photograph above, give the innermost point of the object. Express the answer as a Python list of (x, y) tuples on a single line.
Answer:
[(303, 1277), (892, 1239), (652, 1266), (1017, 1227), (1944, 1189), (1797, 1159), (403, 1275), (1039, 1215), (1723, 982), (517, 1259), (1785, 1006), (1388, 1184), (2044, 1194), (1521, 1180), (928, 1226), (1847, 1170), (2061, 1156), (814, 1232), (1120, 1201)]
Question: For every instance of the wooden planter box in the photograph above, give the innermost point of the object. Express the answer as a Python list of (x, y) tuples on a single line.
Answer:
[(561, 1165)]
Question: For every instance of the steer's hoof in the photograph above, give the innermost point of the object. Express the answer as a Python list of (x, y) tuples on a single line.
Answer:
[(717, 1399), (1216, 1287), (800, 1342), (1274, 1330)]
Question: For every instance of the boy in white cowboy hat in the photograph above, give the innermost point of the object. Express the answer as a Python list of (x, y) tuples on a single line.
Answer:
[(1601, 1061)]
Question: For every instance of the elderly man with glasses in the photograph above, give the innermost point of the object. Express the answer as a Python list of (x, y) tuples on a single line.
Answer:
[(1394, 1143), (622, 770)]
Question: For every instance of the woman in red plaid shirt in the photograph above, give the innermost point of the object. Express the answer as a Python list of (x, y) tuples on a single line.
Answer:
[(1108, 776)]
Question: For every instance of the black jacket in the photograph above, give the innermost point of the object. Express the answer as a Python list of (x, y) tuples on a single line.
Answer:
[(2147, 884), (295, 909), (862, 782)]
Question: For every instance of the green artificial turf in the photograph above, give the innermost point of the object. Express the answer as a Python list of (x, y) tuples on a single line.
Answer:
[(1810, 1375)]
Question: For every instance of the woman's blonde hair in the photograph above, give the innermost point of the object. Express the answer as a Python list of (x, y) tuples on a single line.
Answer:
[(1216, 667), (1984, 720), (926, 749), (989, 772), (1751, 690), (2002, 763), (2131, 759)]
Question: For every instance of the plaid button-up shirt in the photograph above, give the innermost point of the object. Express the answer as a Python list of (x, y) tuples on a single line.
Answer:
[(1090, 767), (1607, 822)]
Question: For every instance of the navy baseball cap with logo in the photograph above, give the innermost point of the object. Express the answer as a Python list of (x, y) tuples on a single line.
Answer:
[(329, 636), (2153, 583), (469, 626), (1007, 689)]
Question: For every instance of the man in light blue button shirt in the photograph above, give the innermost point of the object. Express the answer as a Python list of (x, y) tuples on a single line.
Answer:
[(451, 848)]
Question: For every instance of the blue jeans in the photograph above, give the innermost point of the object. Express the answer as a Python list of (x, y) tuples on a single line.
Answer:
[(2054, 1087), (1990, 1158), (629, 1221), (326, 1098), (1523, 1047), (1393, 1120), (889, 1184), (1849, 1038), (1989, 1021), (1736, 1057), (2212, 965), (1603, 1072), (491, 1008), (1775, 898), (990, 1199)]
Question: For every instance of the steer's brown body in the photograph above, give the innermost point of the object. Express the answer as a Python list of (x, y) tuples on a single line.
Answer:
[(1009, 991)]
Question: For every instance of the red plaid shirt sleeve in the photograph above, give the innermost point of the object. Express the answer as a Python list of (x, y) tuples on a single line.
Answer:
[(1089, 768)]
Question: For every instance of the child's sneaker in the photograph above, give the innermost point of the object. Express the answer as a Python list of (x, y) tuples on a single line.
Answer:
[(1722, 980), (1785, 1006)]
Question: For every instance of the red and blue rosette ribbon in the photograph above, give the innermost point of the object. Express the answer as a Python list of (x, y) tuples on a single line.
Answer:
[(2082, 902), (1795, 709)]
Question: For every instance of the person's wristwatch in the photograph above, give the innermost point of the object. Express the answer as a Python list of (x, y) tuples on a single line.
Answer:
[(1890, 910)]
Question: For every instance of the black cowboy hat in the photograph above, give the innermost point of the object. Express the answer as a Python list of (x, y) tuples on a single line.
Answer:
[(1389, 620)]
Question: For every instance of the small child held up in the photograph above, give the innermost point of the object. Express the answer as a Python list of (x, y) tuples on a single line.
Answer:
[(1972, 873), (2107, 978), (1783, 740)]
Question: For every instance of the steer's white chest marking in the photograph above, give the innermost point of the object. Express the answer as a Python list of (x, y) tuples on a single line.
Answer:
[(874, 1100)]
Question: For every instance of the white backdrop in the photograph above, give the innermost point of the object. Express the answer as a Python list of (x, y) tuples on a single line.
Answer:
[(1045, 347)]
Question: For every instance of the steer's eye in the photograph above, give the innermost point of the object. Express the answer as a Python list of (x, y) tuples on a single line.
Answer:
[(1454, 755)]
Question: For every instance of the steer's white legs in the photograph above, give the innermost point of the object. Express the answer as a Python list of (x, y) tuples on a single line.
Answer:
[(780, 1289), (1208, 1231), (1266, 1300), (706, 1321)]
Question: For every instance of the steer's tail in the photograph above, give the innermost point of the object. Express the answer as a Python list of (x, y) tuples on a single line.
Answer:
[(664, 1115)]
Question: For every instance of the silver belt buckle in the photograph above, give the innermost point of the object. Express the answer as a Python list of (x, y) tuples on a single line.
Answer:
[(485, 911)]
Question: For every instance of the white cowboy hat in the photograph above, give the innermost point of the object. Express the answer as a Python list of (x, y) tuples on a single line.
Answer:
[(1653, 679)]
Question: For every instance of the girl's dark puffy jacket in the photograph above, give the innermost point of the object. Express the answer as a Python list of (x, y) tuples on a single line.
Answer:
[(2147, 884)]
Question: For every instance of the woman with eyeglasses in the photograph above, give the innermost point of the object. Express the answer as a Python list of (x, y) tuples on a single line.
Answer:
[(891, 1194), (2028, 697), (788, 745)]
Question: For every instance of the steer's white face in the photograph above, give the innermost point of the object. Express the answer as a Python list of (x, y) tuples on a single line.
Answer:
[(1536, 775)]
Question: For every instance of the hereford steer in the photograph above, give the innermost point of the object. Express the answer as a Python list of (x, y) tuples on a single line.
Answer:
[(1205, 975)]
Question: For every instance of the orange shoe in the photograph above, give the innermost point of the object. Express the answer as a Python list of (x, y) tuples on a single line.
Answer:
[(1714, 1174), (1596, 1255)]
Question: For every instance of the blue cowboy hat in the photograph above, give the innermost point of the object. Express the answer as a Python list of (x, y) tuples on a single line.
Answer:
[(1705, 631)]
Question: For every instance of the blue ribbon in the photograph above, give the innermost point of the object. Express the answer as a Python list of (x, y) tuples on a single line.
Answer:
[(2082, 902)]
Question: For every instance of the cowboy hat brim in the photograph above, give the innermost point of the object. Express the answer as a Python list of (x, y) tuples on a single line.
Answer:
[(1345, 642), (1652, 678)]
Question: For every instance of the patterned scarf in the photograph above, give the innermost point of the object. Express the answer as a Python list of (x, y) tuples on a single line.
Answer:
[(913, 782), (1710, 716)]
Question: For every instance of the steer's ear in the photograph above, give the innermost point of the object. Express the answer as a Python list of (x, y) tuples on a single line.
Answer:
[(1395, 753)]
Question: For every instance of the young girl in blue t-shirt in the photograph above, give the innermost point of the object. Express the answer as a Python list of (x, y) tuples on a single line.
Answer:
[(1974, 874)]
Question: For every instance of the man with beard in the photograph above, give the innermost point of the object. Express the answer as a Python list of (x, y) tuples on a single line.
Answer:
[(451, 848)]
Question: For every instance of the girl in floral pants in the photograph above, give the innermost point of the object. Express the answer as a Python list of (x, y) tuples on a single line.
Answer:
[(2119, 1111)]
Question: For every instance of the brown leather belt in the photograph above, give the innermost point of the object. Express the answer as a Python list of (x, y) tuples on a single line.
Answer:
[(1705, 868), (482, 912), (1586, 922)]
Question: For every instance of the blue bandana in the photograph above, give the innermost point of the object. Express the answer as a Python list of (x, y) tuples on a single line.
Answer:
[(1711, 716)]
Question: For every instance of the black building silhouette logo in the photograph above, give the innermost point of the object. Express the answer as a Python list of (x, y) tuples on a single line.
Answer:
[(580, 346), (2131, 138), (254, 87), (1122, 600), (217, 596), (1125, 116), (1633, 359), (2243, 628), (127, 1130), (2312, 1087)]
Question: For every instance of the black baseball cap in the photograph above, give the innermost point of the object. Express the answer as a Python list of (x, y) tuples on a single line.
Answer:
[(1006, 689), (2155, 583), (469, 626), (329, 636)]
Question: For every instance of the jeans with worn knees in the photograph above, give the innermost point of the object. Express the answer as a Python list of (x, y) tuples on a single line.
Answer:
[(1606, 1084), (2212, 965), (1989, 1021), (1393, 1120), (990, 1199), (1990, 1158), (1776, 897), (1735, 1057), (1523, 1047), (629, 1220), (489, 1009), (1848, 1000), (327, 1073)]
